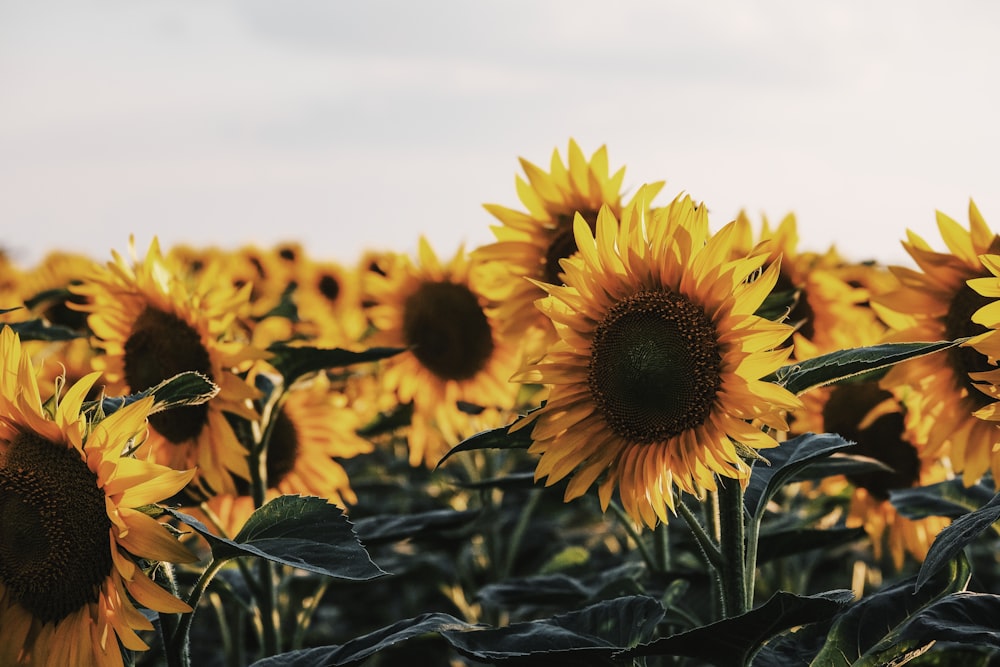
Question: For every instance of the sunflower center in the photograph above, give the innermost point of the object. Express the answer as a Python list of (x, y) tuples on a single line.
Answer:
[(882, 439), (564, 244), (958, 324), (54, 540), (160, 346), (329, 287), (654, 367), (282, 449), (448, 330)]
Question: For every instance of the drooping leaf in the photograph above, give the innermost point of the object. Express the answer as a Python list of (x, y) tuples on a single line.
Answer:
[(294, 362), (865, 624), (392, 528), (732, 641), (300, 531), (41, 330), (187, 388), (787, 460), (840, 463), (591, 636), (361, 648), (494, 438), (845, 364), (953, 539), (961, 618), (950, 499), (792, 542)]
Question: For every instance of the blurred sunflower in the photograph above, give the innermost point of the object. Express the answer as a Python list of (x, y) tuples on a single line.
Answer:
[(988, 343), (530, 244), (314, 426), (936, 303), (73, 541), (873, 418), (328, 297), (455, 356), (45, 289), (151, 326), (657, 371)]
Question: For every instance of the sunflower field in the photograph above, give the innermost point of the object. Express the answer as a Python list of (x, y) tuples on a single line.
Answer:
[(620, 434)]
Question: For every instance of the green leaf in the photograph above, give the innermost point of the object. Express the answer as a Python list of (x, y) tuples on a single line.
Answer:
[(787, 461), (961, 618), (363, 647), (845, 364), (591, 636), (731, 642), (494, 438), (299, 531), (393, 528), (840, 463), (41, 330), (950, 498), (294, 362), (387, 422), (777, 305), (515, 480), (866, 625), (187, 388), (953, 539), (791, 542)]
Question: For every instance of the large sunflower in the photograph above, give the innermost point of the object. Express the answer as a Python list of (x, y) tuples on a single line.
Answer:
[(656, 376), (936, 303), (455, 355), (73, 543), (530, 244), (150, 326)]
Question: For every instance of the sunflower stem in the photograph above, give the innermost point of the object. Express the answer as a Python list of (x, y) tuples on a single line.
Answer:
[(518, 534), (176, 646), (626, 522), (268, 604), (661, 547), (708, 547), (733, 546)]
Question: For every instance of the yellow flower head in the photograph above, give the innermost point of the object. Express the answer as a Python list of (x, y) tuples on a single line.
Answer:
[(937, 303), (72, 536), (455, 354), (151, 325), (530, 244), (656, 374)]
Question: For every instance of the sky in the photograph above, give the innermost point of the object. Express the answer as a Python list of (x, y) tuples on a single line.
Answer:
[(349, 126)]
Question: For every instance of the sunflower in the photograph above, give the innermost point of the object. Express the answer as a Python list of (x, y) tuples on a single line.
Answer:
[(456, 355), (530, 244), (314, 426), (874, 419), (936, 303), (150, 326), (73, 539), (45, 287), (328, 297), (657, 370)]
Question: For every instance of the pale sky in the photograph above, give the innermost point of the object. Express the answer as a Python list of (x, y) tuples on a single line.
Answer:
[(356, 125)]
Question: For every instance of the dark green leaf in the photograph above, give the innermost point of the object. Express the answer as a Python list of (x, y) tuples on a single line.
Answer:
[(840, 463), (962, 618), (41, 330), (777, 305), (844, 364), (791, 542), (303, 532), (953, 539), (787, 460), (590, 636), (731, 642), (392, 528), (363, 647), (869, 621), (187, 388), (495, 438), (517, 480), (388, 422), (951, 499), (294, 362)]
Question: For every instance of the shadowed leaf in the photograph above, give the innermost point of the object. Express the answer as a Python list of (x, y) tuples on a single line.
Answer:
[(294, 362)]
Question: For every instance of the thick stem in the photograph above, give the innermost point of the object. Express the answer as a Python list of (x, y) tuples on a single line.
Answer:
[(176, 645), (733, 547)]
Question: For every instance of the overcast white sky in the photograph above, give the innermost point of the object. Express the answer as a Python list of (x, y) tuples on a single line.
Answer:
[(355, 125)]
